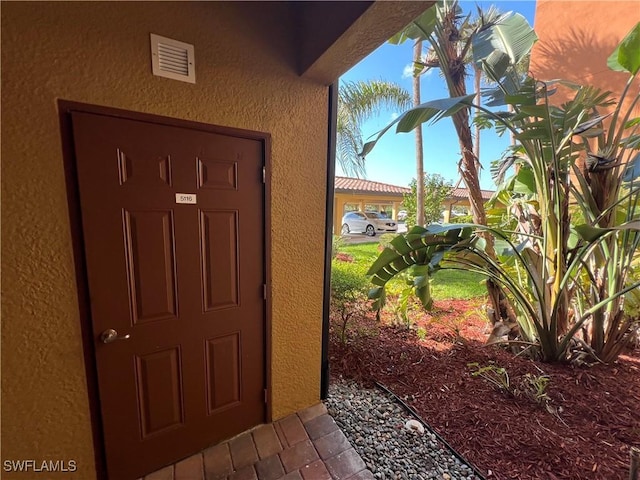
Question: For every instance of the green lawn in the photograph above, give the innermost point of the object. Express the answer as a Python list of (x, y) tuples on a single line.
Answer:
[(445, 284)]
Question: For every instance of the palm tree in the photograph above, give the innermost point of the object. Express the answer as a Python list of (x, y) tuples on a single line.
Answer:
[(469, 29), (449, 46), (451, 38), (450, 51), (417, 56), (357, 102)]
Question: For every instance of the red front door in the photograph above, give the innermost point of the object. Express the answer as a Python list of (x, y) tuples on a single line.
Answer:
[(173, 226)]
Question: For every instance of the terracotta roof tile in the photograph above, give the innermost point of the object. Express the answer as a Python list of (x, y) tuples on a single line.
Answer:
[(462, 193), (355, 185), (346, 184)]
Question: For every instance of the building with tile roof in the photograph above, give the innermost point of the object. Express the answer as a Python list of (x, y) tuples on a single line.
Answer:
[(366, 187), (366, 195)]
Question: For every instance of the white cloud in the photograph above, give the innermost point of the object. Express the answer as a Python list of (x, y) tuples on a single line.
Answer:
[(408, 71), (394, 115)]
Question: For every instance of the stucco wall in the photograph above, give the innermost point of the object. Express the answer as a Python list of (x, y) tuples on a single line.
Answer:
[(98, 53), (576, 38)]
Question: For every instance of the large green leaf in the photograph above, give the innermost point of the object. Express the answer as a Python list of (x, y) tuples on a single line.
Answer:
[(632, 141), (510, 38), (433, 111), (591, 234), (626, 56), (420, 29), (421, 249), (377, 294), (428, 111)]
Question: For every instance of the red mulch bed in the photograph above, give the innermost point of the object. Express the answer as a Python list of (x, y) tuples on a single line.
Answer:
[(505, 437)]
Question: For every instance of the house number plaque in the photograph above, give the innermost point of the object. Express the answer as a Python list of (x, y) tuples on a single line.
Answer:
[(186, 198)]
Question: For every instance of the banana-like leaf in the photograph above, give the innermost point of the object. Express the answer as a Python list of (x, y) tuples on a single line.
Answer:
[(428, 111), (379, 296), (424, 294), (525, 182), (505, 249), (435, 260), (385, 258), (375, 292), (493, 97), (632, 142), (539, 111), (521, 92), (522, 98), (632, 123), (591, 234), (592, 133), (419, 29), (510, 35), (626, 56), (421, 249), (432, 111), (533, 134), (574, 238)]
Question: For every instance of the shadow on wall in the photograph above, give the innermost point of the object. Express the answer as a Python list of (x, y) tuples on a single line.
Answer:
[(579, 56)]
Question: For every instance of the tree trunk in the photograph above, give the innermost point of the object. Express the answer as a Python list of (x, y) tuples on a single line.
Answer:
[(469, 163), (417, 53), (500, 309), (476, 83)]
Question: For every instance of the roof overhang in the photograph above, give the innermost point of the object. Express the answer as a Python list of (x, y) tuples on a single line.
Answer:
[(334, 36)]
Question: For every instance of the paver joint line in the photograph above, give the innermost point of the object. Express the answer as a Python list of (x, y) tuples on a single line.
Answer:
[(307, 445), (320, 426)]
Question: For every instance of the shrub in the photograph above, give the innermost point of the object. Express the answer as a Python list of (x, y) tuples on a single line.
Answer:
[(336, 245), (348, 293), (436, 190), (461, 219)]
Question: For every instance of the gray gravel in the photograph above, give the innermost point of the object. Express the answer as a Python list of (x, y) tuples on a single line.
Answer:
[(374, 422)]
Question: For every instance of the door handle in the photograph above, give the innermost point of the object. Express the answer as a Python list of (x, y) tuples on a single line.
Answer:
[(111, 335)]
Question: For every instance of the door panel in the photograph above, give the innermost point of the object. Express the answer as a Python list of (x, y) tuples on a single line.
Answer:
[(220, 279), (150, 255), (160, 393), (223, 372), (182, 280)]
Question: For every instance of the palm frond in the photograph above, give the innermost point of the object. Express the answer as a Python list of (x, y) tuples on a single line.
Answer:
[(357, 102)]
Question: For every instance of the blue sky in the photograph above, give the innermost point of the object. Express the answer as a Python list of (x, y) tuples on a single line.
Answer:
[(393, 159)]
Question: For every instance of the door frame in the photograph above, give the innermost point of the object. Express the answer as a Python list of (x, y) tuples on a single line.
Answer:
[(65, 108)]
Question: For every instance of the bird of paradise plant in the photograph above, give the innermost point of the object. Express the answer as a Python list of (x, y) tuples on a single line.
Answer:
[(566, 268)]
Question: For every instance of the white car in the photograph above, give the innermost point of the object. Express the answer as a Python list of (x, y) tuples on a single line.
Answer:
[(367, 222)]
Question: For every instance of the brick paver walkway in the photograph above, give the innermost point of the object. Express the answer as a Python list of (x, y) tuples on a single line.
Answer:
[(304, 446)]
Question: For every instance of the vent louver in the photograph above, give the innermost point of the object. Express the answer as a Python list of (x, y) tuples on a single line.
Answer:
[(172, 59)]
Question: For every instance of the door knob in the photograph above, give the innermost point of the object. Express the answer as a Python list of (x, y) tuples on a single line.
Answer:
[(110, 335)]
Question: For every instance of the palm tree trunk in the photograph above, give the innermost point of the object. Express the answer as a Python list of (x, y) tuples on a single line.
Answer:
[(500, 309), (469, 163), (417, 53), (476, 83)]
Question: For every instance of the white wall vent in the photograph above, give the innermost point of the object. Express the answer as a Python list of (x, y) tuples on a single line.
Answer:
[(172, 59)]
